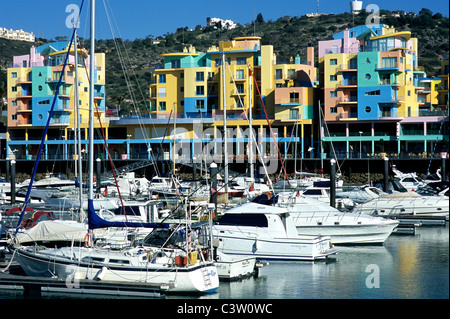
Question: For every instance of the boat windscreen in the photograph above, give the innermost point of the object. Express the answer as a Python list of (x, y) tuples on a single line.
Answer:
[(164, 238), (255, 220)]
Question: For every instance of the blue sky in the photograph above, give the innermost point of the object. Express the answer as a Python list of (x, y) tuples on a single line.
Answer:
[(139, 18)]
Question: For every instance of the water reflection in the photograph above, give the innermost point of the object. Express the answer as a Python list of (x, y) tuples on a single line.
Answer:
[(405, 267)]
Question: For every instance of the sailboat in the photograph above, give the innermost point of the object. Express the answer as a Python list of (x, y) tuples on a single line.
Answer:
[(170, 256)]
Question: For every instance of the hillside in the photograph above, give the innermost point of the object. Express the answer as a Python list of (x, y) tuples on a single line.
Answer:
[(131, 61)]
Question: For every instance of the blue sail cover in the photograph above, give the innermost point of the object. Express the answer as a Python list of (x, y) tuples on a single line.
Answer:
[(95, 221)]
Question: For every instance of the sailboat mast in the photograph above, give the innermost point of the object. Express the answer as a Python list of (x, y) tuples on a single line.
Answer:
[(91, 103), (225, 134), (250, 126), (77, 127)]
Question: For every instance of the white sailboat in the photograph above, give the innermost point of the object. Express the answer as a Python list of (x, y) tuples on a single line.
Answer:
[(164, 258)]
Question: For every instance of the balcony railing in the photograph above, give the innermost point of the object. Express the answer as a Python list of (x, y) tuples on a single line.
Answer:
[(348, 83)]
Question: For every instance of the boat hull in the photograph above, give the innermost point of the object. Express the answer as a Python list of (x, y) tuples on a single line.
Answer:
[(351, 234), (235, 268), (308, 248), (394, 207), (200, 278)]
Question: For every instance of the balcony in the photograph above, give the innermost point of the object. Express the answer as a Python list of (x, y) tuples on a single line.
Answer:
[(348, 100), (352, 67), (394, 67), (347, 116), (389, 82), (348, 83)]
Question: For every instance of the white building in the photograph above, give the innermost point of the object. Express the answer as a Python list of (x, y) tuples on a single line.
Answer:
[(19, 35), (225, 24)]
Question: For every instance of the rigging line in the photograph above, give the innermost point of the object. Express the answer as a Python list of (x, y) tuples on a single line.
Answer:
[(271, 131), (252, 136), (89, 77), (332, 146), (435, 145), (27, 197), (126, 75)]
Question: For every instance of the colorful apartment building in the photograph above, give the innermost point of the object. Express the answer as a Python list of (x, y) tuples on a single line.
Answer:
[(239, 76), (32, 83), (377, 99)]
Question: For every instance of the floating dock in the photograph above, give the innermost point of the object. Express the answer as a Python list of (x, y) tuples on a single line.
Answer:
[(35, 286)]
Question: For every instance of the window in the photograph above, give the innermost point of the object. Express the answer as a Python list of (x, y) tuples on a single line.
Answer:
[(14, 117), (333, 61), (200, 90), (367, 61), (175, 64), (333, 94), (255, 220), (14, 103), (367, 109), (278, 74), (241, 61), (13, 75), (240, 88), (294, 97), (14, 89), (367, 76), (389, 62), (293, 114), (377, 92), (240, 75), (200, 76), (291, 74), (333, 110), (334, 49), (200, 104), (162, 78), (44, 102), (333, 77), (162, 106), (161, 92), (218, 62)]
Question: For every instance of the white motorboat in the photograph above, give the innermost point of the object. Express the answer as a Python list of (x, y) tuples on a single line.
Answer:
[(234, 268), (409, 180), (401, 204), (360, 194), (323, 194), (314, 217), (267, 232)]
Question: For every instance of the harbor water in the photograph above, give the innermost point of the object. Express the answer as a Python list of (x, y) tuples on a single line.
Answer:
[(404, 267)]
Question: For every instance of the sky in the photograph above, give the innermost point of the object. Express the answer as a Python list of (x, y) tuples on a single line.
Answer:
[(131, 19)]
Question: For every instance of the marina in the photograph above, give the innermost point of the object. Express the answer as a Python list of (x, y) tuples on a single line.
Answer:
[(167, 220), (410, 267)]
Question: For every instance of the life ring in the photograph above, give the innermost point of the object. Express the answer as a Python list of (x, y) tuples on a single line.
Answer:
[(86, 240)]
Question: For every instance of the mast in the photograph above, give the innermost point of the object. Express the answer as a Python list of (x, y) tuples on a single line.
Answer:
[(250, 116), (225, 134), (91, 103), (77, 128), (320, 138)]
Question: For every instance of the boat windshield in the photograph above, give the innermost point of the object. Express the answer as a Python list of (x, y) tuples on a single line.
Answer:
[(164, 238)]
